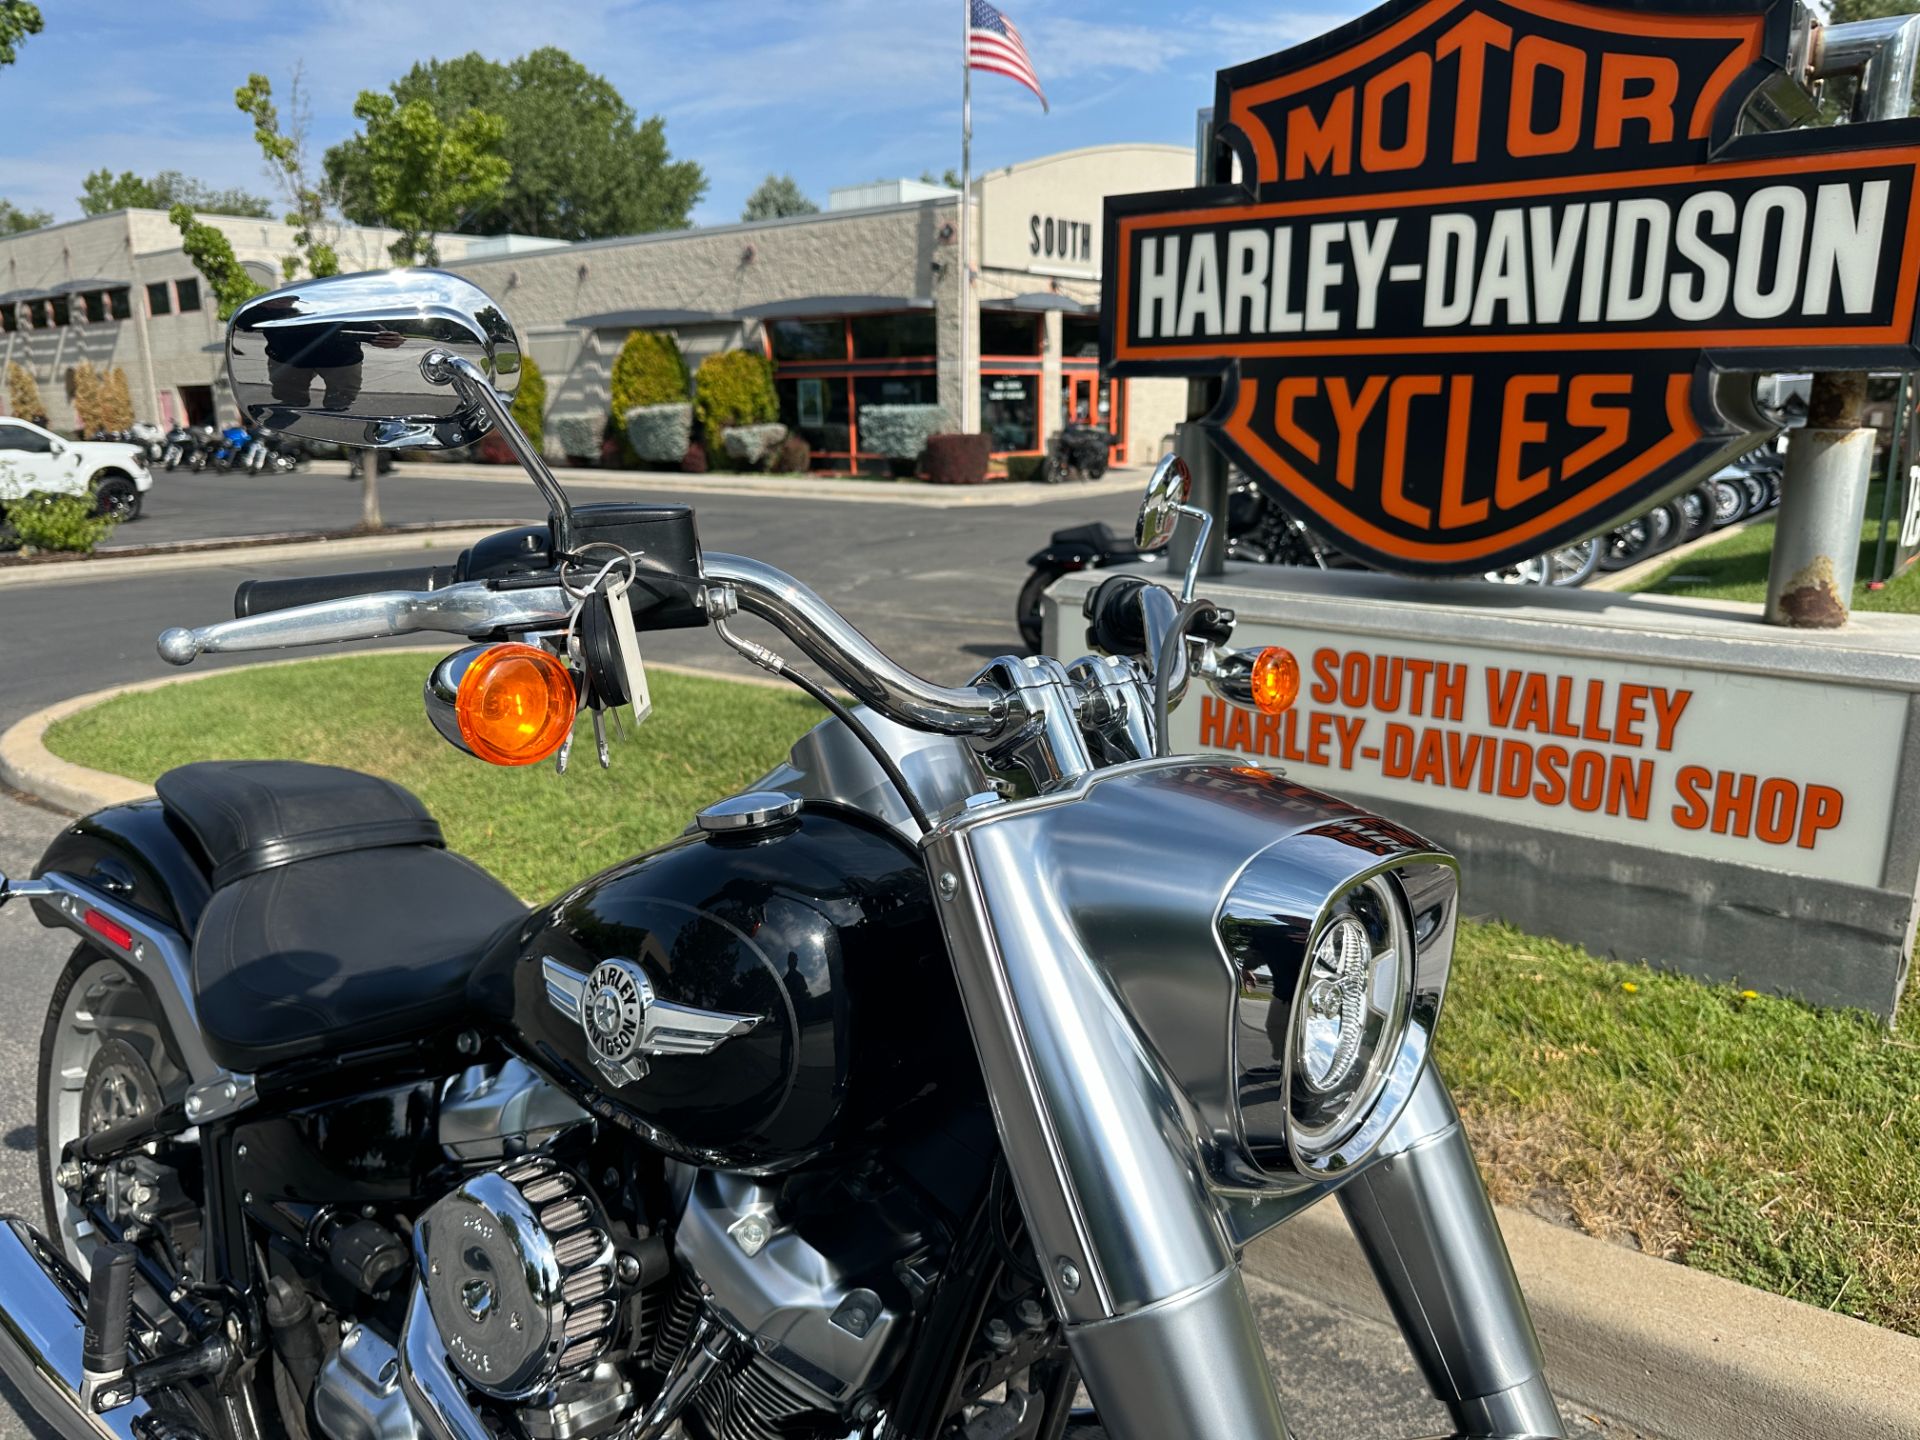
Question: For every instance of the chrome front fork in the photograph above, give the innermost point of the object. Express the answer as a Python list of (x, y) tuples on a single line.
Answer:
[(1194, 1365)]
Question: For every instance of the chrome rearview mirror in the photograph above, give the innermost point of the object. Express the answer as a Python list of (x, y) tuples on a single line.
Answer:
[(361, 360), (1167, 491), (386, 360), (1160, 511)]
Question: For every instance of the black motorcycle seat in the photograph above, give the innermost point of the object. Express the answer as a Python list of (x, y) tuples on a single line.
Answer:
[(1097, 536), (338, 921), (253, 815)]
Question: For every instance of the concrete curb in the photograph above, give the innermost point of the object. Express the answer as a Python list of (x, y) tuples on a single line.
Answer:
[(104, 566), (28, 766), (681, 486), (1673, 1352)]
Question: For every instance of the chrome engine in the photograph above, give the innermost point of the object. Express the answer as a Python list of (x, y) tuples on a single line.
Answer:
[(531, 1299)]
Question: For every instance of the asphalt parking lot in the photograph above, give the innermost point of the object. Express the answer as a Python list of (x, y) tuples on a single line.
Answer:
[(935, 588)]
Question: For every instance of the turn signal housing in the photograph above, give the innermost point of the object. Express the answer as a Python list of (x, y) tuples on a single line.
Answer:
[(508, 704), (1274, 680)]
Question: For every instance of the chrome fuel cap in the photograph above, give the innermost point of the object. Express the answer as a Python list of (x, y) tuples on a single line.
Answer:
[(742, 814)]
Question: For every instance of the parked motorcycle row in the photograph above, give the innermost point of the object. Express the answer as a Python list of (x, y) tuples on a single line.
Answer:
[(1261, 532), (236, 449)]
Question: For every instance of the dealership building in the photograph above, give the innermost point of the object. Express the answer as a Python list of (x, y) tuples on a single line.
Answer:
[(855, 306)]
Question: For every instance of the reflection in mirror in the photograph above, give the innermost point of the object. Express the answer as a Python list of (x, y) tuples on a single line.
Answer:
[(1167, 490), (342, 360)]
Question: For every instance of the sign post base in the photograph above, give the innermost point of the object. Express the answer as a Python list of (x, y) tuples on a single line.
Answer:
[(1816, 542)]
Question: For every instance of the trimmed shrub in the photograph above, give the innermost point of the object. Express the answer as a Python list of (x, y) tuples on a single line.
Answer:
[(734, 387), (752, 446), (899, 431), (795, 456), (84, 389), (578, 436), (648, 371), (1025, 468), (23, 394), (660, 434), (694, 462), (116, 400), (58, 522), (956, 459), (530, 402)]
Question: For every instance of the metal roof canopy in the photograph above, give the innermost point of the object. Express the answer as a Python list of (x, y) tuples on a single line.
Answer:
[(82, 287), (1040, 300), (647, 319), (828, 305)]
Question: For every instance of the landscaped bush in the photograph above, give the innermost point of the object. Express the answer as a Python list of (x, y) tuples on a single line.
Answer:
[(648, 371), (116, 401), (1024, 468), (23, 394), (899, 431), (956, 459), (660, 433), (752, 446), (795, 457), (58, 522), (83, 389), (734, 387), (530, 401), (578, 436)]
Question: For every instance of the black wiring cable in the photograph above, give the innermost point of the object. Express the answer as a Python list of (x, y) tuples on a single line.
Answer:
[(860, 732), (1021, 1265), (1175, 637)]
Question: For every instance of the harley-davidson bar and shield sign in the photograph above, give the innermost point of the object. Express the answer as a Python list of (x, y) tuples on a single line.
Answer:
[(1497, 272)]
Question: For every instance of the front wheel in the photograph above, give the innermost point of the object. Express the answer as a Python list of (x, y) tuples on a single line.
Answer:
[(1026, 610), (116, 497)]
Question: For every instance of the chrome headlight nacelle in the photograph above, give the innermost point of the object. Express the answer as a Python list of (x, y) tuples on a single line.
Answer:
[(1341, 937)]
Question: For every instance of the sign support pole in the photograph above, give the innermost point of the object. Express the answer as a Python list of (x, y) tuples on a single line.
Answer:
[(1191, 442), (1896, 470), (969, 382)]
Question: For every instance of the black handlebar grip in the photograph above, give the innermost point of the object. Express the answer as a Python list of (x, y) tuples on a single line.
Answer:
[(103, 1345), (258, 597)]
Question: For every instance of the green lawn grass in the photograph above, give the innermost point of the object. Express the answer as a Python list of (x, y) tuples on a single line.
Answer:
[(1736, 568), (1747, 1135)]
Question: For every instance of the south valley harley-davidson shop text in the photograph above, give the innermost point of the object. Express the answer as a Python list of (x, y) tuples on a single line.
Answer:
[(1546, 752)]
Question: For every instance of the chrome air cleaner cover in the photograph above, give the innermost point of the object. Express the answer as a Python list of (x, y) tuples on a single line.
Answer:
[(520, 1272)]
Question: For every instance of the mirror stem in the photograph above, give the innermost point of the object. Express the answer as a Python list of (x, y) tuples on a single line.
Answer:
[(1199, 549), (473, 384)]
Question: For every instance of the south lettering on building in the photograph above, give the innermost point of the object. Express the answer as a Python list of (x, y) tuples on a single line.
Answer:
[(1494, 273)]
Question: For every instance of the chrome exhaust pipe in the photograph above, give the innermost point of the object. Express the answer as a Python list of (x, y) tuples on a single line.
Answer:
[(43, 1302)]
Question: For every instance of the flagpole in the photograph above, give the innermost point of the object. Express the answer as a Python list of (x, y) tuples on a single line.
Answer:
[(966, 218)]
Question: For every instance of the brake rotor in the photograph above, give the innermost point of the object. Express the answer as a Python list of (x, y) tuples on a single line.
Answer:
[(120, 1088)]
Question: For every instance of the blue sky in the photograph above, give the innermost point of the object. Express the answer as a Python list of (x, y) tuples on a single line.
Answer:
[(836, 92)]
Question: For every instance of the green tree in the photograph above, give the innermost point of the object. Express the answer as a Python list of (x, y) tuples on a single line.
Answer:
[(949, 177), (778, 197), (426, 174), (583, 167), (1842, 12), (530, 402), (103, 191), (18, 19), (213, 257), (286, 153), (13, 219)]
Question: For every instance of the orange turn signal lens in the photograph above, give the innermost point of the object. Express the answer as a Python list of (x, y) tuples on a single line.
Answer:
[(1275, 680), (515, 705)]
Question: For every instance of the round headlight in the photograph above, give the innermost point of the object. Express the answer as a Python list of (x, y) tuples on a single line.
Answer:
[(1350, 1012)]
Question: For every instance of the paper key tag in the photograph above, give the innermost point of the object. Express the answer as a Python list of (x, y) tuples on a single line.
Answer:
[(633, 668)]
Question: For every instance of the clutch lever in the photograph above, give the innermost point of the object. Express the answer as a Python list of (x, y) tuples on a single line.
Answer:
[(471, 608)]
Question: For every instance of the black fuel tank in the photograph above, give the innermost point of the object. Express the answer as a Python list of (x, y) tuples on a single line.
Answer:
[(815, 945)]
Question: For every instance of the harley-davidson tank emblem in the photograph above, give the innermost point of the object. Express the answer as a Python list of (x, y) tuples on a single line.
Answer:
[(1491, 266), (625, 1022)]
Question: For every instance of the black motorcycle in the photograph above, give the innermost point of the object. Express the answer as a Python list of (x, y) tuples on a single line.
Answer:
[(1077, 452), (942, 1074)]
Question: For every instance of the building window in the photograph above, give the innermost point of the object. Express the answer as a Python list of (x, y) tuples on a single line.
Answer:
[(9, 318), (159, 299), (1010, 412), (95, 302), (120, 304), (807, 339), (189, 293), (1004, 332), (37, 313), (814, 407), (897, 336), (1080, 337), (62, 311)]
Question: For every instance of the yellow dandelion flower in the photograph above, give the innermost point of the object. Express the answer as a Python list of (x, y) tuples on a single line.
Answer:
[(1749, 994), (1629, 987)]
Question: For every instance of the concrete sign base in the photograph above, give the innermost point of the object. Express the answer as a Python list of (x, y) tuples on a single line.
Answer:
[(1653, 778)]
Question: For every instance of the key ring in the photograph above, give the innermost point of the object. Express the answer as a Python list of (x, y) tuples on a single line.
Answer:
[(619, 553)]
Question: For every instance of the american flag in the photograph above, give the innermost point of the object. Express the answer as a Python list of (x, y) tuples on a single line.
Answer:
[(993, 43)]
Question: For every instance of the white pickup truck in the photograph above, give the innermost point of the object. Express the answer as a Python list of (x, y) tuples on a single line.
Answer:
[(33, 459)]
